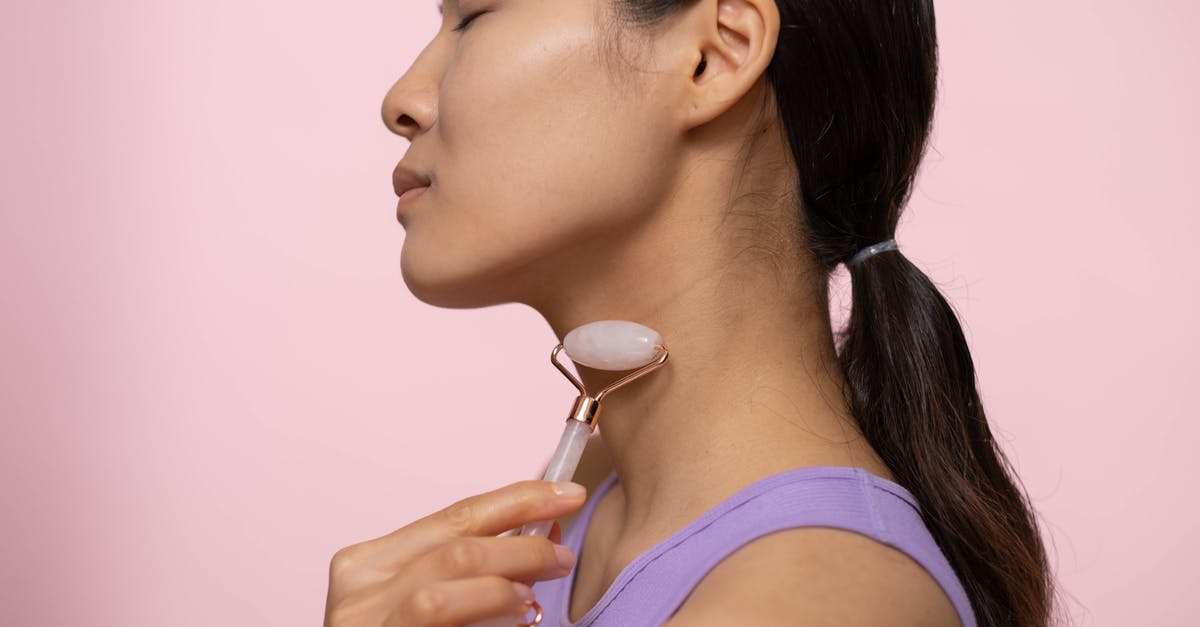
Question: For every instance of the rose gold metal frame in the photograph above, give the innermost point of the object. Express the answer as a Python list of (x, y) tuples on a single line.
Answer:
[(587, 407), (533, 605)]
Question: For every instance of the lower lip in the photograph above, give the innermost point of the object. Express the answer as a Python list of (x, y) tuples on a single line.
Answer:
[(409, 196)]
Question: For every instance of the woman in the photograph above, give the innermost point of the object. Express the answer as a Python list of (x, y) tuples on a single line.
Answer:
[(701, 167)]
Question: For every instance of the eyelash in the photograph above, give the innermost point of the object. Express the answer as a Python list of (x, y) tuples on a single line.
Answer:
[(467, 20)]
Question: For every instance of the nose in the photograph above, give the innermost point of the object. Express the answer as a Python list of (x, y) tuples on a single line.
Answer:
[(410, 106)]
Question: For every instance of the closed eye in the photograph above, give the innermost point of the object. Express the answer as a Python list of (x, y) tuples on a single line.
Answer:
[(467, 20)]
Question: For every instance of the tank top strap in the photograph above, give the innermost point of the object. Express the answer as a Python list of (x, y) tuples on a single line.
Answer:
[(653, 586)]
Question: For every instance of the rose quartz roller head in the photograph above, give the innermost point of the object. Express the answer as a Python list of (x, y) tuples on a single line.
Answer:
[(605, 345)]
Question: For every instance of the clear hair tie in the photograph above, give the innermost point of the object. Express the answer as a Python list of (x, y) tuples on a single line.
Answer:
[(863, 254)]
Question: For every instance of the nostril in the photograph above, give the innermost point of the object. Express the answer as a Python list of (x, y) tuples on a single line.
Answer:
[(404, 126)]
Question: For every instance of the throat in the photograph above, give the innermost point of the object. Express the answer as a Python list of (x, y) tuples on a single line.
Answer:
[(595, 570)]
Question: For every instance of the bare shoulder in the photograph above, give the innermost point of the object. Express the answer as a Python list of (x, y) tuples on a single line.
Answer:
[(594, 467), (817, 576)]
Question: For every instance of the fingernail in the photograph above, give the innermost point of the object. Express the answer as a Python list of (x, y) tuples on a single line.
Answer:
[(566, 558), (569, 489), (524, 592)]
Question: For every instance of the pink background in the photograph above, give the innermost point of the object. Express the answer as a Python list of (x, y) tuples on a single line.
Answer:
[(213, 376)]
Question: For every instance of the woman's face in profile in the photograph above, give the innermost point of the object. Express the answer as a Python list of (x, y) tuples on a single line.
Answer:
[(540, 161)]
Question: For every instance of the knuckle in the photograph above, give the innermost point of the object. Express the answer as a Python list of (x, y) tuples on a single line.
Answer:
[(460, 517), (344, 560), (426, 603), (528, 500), (462, 557)]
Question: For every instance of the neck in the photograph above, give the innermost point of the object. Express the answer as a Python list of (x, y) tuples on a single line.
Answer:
[(750, 388)]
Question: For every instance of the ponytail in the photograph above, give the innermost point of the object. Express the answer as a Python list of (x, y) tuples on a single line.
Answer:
[(913, 392)]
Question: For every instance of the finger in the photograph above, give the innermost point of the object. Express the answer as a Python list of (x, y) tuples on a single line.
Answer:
[(555, 537), (486, 514), (555, 533), (518, 558), (459, 601)]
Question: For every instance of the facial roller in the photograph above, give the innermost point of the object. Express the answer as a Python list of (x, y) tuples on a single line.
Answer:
[(616, 345)]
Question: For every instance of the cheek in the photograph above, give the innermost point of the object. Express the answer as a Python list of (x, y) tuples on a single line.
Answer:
[(535, 121), (567, 175), (535, 153), (542, 136)]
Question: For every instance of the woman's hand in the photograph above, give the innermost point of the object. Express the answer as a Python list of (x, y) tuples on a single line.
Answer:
[(452, 567)]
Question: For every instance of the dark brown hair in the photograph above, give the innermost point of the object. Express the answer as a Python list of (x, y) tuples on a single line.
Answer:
[(854, 82)]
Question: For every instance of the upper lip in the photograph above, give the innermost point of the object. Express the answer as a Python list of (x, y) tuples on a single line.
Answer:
[(404, 179)]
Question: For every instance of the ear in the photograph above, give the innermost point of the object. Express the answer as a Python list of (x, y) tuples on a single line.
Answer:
[(729, 43)]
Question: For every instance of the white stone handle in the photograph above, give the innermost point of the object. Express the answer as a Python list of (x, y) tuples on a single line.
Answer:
[(562, 468)]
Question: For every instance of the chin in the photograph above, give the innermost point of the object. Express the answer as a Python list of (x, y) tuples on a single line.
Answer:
[(440, 291), (442, 285), (473, 272)]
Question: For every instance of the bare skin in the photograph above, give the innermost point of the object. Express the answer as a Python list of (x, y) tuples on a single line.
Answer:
[(588, 198)]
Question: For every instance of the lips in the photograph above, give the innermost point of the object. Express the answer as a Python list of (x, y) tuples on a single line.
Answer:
[(411, 193), (405, 178)]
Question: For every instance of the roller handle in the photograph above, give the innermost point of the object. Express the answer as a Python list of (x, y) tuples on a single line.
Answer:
[(561, 468)]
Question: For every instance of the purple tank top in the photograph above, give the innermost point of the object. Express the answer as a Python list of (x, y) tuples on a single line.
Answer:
[(651, 587)]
